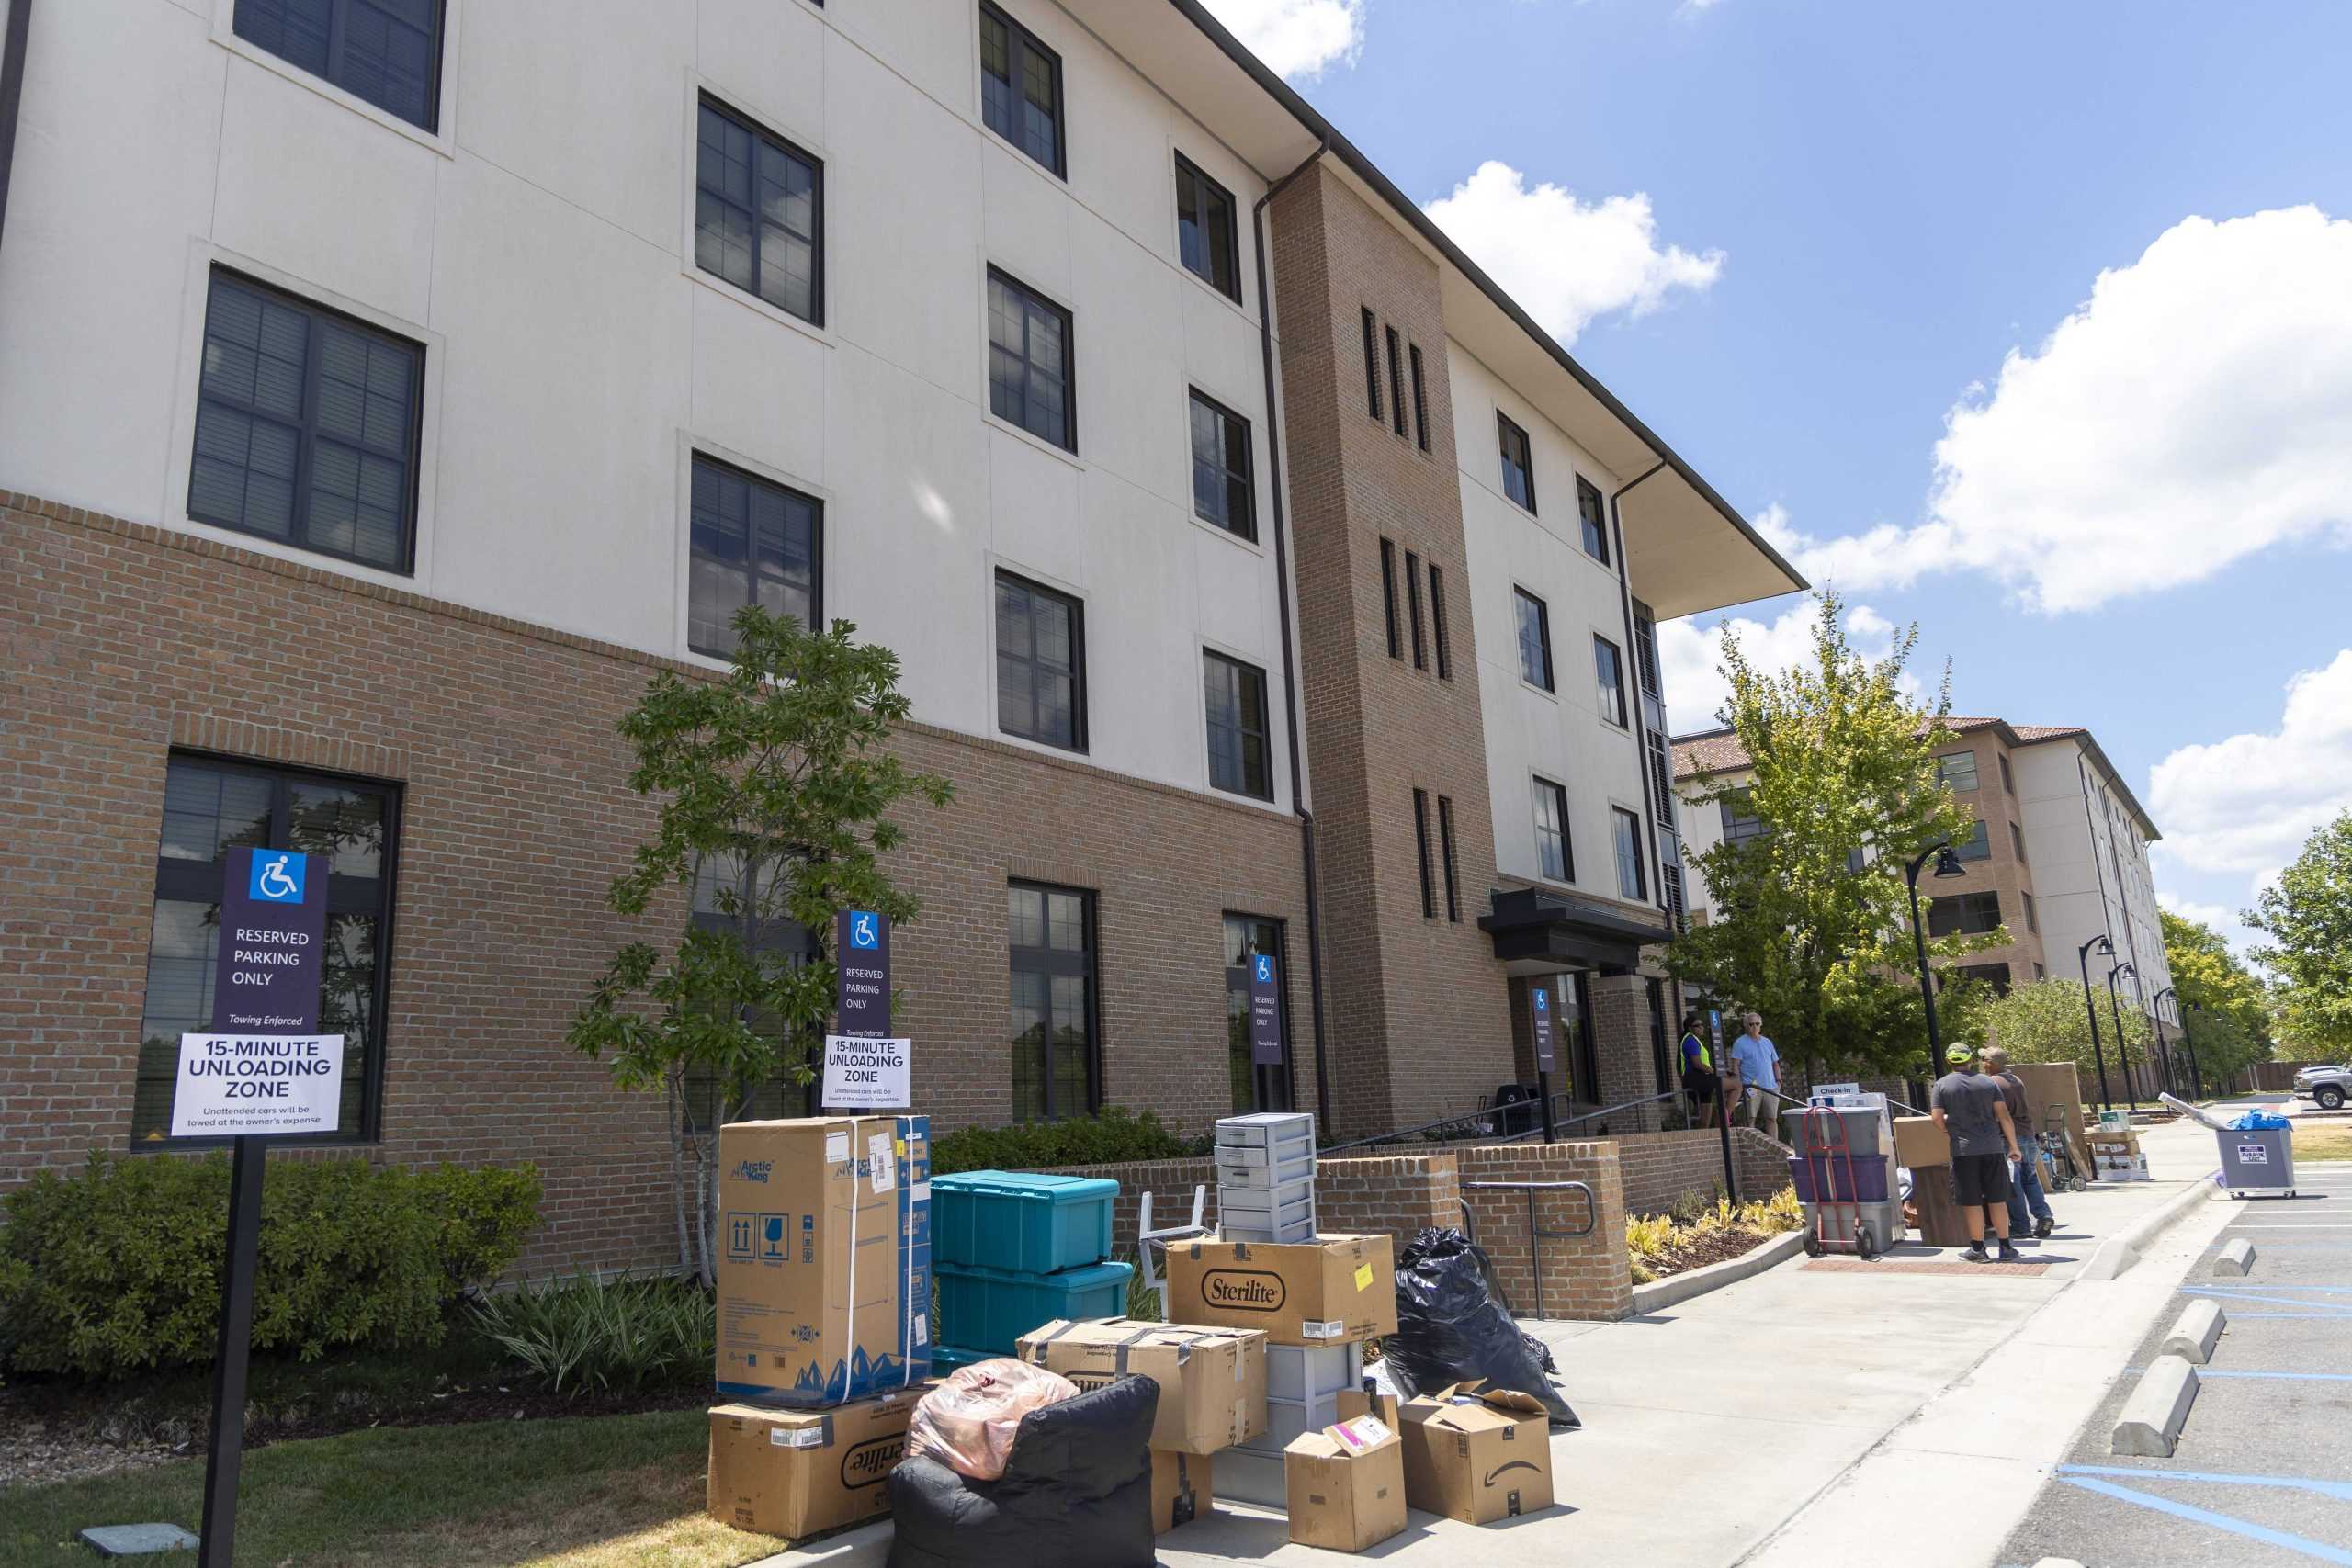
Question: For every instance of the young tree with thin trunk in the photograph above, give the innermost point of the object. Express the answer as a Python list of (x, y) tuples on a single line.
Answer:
[(2307, 915)]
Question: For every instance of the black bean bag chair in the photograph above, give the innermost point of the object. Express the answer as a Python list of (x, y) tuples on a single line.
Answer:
[(1076, 1493)]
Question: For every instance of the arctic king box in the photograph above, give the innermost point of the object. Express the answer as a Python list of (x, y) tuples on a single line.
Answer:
[(824, 1259)]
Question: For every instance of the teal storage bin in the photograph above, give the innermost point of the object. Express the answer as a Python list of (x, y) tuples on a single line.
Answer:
[(1024, 1225), (988, 1309), (945, 1359)]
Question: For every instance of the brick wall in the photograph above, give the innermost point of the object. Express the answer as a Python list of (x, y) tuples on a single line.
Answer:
[(124, 641), (1658, 1169)]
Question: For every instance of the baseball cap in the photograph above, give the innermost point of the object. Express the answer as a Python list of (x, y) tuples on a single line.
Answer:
[(1960, 1055)]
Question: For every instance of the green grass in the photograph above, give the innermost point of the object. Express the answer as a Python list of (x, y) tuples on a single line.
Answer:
[(2323, 1143), (587, 1492)]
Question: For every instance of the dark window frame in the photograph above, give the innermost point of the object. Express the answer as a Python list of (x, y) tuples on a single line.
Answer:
[(707, 102), (2017, 844), (1978, 845), (1439, 639), (1958, 914), (1592, 512), (307, 434), (1388, 597), (1395, 381), (1944, 774), (1019, 41), (1446, 859), (1557, 794), (1245, 673), (816, 620), (201, 882), (1051, 961), (1372, 362), (1239, 1068), (338, 42), (1619, 821), (1413, 609), (1076, 745), (2032, 920), (2009, 778), (1740, 826), (1506, 430), (1421, 852), (1520, 602), (1228, 423), (1068, 440), (1204, 186), (1609, 682), (1420, 398)]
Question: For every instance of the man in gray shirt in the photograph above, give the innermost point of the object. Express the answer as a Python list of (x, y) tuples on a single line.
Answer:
[(1967, 1105)]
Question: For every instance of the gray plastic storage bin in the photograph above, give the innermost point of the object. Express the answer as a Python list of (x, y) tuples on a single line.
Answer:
[(1312, 1371), (1262, 1176), (1285, 1214), (1270, 1137), (1287, 1418), (1245, 1475)]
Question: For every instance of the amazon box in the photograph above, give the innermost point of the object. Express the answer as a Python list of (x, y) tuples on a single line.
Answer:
[(1180, 1489), (1476, 1453), (1919, 1143), (1332, 1291), (1212, 1380), (796, 1473), (824, 1259), (1345, 1485)]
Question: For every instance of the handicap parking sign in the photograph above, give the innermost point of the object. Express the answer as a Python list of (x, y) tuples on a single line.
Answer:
[(1544, 1000), (276, 876), (1265, 968), (864, 930)]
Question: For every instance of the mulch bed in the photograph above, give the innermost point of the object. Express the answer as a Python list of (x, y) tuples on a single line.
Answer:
[(1707, 1247)]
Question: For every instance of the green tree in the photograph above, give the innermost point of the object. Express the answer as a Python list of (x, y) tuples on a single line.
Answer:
[(775, 791), (2223, 1004), (2047, 1022), (1841, 761), (2308, 917)]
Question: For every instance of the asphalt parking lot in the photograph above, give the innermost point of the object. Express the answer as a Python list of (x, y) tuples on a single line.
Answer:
[(2262, 1474)]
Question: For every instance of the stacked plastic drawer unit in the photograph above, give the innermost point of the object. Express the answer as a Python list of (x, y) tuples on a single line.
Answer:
[(1013, 1252), (1265, 1177)]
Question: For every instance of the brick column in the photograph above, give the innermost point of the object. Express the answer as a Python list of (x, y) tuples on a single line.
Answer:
[(1583, 1277)]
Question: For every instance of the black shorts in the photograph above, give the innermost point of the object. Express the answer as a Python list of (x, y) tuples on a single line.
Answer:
[(1980, 1179)]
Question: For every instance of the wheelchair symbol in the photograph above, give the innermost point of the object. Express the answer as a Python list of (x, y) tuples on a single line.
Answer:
[(278, 879), (1265, 968), (863, 933), (1543, 1001)]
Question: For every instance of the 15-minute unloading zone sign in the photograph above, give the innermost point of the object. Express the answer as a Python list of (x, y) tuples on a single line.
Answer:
[(265, 1071)]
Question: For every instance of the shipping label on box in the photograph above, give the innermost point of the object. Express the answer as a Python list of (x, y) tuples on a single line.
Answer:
[(1181, 1489), (824, 1266), (792, 1474), (1346, 1494), (1212, 1380), (1477, 1454), (1332, 1291)]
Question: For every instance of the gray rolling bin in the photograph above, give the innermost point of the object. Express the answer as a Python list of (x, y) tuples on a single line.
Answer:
[(2258, 1162)]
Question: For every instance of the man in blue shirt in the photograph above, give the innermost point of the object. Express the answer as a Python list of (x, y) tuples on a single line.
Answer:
[(1758, 1061)]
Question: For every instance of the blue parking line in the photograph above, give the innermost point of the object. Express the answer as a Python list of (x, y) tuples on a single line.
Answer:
[(2336, 1316), (2319, 1551), (2326, 1309), (2341, 1490), (2203, 1372)]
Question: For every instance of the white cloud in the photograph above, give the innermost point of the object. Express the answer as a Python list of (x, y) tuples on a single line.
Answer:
[(1692, 654), (1564, 260), (2221, 918), (1295, 37), (2195, 410), (2247, 803)]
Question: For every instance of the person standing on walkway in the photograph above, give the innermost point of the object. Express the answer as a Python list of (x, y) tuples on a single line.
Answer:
[(1758, 1061), (1968, 1107), (1699, 1083), (2028, 1205)]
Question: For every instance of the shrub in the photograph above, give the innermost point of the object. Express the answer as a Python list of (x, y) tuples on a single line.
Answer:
[(583, 1333), (116, 1270), (1111, 1136)]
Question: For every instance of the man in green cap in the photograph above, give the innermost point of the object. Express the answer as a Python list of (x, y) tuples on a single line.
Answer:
[(1968, 1106)]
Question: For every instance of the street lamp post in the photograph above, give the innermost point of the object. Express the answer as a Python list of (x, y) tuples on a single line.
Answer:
[(2082, 958), (1947, 864), (2122, 1049)]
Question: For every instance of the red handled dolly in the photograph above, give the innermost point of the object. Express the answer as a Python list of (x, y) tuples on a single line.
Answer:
[(1822, 1156)]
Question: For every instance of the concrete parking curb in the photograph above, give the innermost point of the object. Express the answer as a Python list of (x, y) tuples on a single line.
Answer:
[(2157, 1409), (2119, 1251), (2236, 1258), (1677, 1288), (2192, 1338)]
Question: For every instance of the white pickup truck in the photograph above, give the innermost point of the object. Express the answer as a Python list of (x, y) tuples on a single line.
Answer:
[(2331, 1087)]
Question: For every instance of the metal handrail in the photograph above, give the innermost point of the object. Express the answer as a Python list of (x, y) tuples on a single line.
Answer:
[(1521, 1107), (1593, 1115), (1536, 1234)]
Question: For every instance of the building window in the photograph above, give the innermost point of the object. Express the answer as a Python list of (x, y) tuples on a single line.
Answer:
[(2008, 779), (1445, 857), (1978, 845), (1997, 976), (1372, 362), (1021, 88), (1964, 914), (1661, 1051), (1437, 623), (759, 214), (1608, 671), (1741, 824), (306, 427), (1421, 852), (1029, 362), (1592, 513), (1956, 770), (1388, 596), (1054, 1067), (1534, 639), (726, 897), (386, 52), (2016, 842), (2040, 973), (1413, 608), (1208, 237), (2032, 920), (1646, 651), (1420, 400), (1395, 381), (1631, 881), (1222, 491), (212, 807), (1240, 759), (1040, 663), (1555, 855), (754, 543), (1254, 1088), (1519, 466)]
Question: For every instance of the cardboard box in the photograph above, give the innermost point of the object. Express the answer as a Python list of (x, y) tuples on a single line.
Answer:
[(1345, 1485), (1212, 1380), (824, 1262), (1181, 1489), (1355, 1402), (1326, 1292), (1920, 1141), (1476, 1454), (795, 1473)]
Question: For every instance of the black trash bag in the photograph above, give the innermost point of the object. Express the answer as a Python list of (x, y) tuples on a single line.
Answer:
[(1453, 1324), (1076, 1492)]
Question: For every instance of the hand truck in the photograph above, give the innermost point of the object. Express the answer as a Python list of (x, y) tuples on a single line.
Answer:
[(2064, 1174), (1823, 1155)]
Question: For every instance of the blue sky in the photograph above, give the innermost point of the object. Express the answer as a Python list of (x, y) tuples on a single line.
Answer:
[(1855, 215)]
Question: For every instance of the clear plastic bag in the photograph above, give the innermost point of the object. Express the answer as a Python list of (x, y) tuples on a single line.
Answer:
[(967, 1423)]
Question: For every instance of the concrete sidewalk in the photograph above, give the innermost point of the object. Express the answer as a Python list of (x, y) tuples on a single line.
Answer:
[(1790, 1417)]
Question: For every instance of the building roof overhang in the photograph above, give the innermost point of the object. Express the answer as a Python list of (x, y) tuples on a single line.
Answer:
[(1536, 930)]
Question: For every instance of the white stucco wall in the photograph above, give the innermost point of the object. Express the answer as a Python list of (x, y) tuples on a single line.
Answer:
[(1560, 734), (541, 247), (2091, 872)]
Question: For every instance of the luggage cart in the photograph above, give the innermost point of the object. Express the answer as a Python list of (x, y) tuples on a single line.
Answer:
[(2065, 1175), (1833, 1224)]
